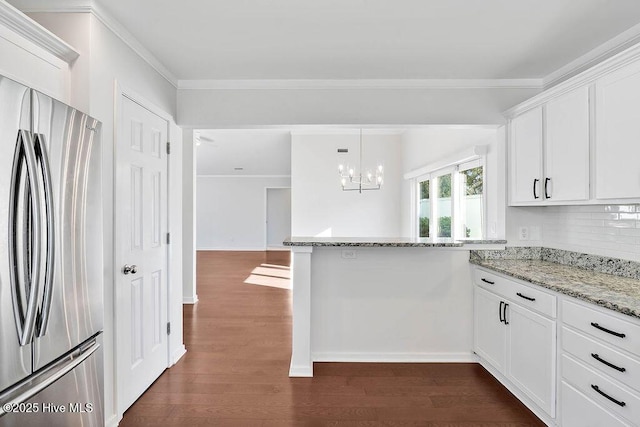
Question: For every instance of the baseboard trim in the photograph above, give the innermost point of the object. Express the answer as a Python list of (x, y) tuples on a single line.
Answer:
[(190, 300), (278, 248), (113, 421), (177, 354), (301, 371), (454, 357)]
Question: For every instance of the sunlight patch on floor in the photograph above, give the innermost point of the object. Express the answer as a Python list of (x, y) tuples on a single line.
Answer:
[(275, 276)]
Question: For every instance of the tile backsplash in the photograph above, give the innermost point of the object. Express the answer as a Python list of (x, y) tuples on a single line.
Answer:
[(605, 230)]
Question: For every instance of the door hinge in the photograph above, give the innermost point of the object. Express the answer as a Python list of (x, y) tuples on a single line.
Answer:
[(168, 147), (168, 238), (168, 328)]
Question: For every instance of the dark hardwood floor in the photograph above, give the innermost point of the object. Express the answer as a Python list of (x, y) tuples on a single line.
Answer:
[(235, 372)]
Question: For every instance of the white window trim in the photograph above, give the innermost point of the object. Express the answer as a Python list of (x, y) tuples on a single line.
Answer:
[(466, 160)]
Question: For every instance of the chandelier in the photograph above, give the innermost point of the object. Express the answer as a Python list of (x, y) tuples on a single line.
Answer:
[(353, 180)]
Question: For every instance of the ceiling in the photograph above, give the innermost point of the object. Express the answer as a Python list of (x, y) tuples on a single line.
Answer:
[(366, 39), (256, 151)]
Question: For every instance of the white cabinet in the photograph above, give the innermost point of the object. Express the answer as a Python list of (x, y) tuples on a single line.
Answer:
[(490, 335), (566, 176), (550, 151), (617, 141), (516, 340), (600, 364), (526, 157), (532, 352)]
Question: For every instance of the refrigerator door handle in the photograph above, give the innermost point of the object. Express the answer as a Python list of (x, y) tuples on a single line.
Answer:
[(25, 155), (41, 153), (34, 385)]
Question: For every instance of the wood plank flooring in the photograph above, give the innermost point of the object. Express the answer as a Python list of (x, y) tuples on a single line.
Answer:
[(235, 372)]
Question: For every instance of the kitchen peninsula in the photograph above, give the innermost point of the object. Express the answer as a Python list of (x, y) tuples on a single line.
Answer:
[(381, 300)]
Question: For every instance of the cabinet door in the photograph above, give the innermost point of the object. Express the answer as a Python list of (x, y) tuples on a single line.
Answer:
[(490, 334), (526, 157), (532, 355), (617, 143), (567, 147)]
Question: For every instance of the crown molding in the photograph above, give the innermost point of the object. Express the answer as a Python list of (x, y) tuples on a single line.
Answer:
[(89, 6), (619, 43), (586, 77), (309, 84), (26, 27)]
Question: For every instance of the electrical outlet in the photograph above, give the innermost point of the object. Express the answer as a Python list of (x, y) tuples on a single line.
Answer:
[(349, 254), (523, 233)]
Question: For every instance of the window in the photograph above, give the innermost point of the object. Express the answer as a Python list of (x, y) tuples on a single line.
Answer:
[(424, 208), (451, 202), (471, 197)]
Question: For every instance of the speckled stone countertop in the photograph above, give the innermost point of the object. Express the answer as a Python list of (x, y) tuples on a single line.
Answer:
[(615, 292), (393, 242)]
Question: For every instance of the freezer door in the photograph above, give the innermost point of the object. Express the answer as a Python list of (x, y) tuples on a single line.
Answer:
[(15, 360), (72, 304), (67, 394)]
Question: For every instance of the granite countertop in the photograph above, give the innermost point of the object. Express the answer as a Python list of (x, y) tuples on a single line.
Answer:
[(396, 242), (618, 293)]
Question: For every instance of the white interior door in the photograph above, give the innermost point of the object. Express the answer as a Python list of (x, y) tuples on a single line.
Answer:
[(278, 215), (141, 252)]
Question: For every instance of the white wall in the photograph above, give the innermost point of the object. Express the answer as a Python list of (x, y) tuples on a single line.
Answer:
[(421, 147), (391, 305), (236, 108), (189, 293), (231, 211), (110, 60), (320, 207), (278, 216), (607, 230)]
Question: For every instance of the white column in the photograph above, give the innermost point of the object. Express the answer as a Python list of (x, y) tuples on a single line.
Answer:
[(301, 363)]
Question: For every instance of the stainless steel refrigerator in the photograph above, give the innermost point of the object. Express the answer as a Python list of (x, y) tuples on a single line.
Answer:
[(51, 263)]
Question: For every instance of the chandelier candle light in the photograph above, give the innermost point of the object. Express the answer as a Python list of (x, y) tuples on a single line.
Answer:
[(351, 180)]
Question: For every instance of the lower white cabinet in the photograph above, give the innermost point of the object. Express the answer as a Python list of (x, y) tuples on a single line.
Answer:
[(580, 411), (519, 343), (531, 348)]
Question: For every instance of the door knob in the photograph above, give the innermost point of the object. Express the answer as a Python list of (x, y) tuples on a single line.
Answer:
[(130, 269)]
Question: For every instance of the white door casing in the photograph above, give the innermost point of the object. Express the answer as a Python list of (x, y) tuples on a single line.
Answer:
[(141, 225)]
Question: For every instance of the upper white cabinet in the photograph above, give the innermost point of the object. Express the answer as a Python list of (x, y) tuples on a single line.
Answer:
[(526, 156), (617, 142), (566, 176), (550, 151)]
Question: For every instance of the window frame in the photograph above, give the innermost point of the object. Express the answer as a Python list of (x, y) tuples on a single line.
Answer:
[(457, 228)]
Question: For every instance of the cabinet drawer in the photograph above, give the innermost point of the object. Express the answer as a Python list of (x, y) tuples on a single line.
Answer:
[(524, 295), (603, 326), (579, 411), (600, 389), (602, 357), (492, 282)]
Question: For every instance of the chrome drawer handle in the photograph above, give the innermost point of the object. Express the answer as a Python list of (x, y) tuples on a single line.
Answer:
[(609, 331), (602, 393), (611, 365)]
